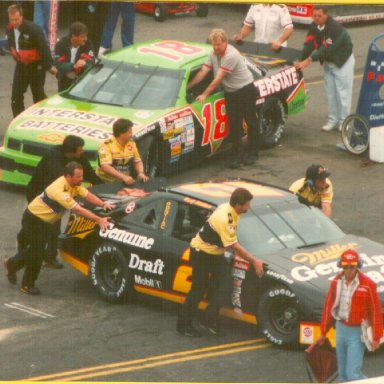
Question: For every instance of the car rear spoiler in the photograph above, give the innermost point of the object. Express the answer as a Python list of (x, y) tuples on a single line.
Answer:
[(260, 49)]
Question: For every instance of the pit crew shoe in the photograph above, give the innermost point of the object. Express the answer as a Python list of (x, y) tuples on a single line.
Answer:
[(188, 331), (329, 127), (54, 264), (30, 290), (11, 276), (210, 328)]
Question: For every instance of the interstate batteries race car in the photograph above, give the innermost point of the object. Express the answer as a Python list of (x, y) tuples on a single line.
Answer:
[(147, 83), (146, 249)]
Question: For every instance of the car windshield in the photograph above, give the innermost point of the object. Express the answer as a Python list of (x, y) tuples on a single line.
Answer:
[(271, 228), (129, 85)]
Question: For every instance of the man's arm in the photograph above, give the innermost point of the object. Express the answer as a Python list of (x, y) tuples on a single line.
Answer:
[(244, 32), (212, 86), (244, 254), (97, 202), (327, 209), (139, 167), (199, 76), (102, 221), (110, 170), (283, 38)]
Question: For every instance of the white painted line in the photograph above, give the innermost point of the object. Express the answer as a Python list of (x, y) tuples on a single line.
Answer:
[(31, 311)]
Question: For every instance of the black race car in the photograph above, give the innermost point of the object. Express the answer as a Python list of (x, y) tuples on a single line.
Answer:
[(147, 250)]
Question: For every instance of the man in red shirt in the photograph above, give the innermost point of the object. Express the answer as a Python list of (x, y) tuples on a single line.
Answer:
[(352, 298)]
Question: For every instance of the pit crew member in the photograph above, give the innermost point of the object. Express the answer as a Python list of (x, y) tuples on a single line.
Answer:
[(115, 155), (207, 254), (315, 189), (44, 211)]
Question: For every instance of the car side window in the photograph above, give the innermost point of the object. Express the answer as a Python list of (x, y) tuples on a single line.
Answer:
[(188, 221), (199, 88)]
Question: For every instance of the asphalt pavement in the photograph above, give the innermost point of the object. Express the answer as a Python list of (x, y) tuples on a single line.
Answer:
[(69, 333)]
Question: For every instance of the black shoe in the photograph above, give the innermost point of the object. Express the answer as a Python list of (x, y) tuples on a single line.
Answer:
[(11, 276), (188, 331), (30, 290), (54, 264), (250, 159), (212, 329)]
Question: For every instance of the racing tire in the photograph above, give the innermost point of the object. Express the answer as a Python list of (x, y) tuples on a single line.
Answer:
[(202, 10), (278, 316), (355, 134), (160, 12), (271, 119), (110, 274), (149, 154)]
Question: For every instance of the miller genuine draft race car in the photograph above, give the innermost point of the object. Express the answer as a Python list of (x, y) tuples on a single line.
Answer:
[(146, 249), (147, 83)]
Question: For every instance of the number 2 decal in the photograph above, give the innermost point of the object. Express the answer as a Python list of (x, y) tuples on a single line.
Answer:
[(215, 126)]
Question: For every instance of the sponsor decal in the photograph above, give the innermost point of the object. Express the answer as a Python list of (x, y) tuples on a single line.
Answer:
[(143, 114), (143, 131), (330, 253), (79, 224), (305, 273), (155, 267), (148, 282), (277, 82), (130, 207), (167, 209), (126, 237), (190, 200), (54, 138), (279, 276), (307, 333)]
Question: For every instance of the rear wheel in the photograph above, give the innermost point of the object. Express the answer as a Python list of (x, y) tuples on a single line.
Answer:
[(278, 315), (110, 274), (272, 119), (160, 12), (355, 134), (202, 10)]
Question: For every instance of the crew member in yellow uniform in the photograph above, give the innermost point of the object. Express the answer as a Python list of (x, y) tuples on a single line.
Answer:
[(207, 253), (315, 189), (116, 153), (44, 211)]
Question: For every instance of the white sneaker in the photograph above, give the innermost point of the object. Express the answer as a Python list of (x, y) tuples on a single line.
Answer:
[(329, 127), (341, 124), (102, 52)]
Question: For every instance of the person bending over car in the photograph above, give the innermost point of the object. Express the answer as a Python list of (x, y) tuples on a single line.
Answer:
[(74, 55), (207, 254), (315, 189), (116, 154), (44, 211)]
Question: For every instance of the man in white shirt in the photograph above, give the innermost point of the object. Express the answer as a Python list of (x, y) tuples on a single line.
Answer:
[(272, 24)]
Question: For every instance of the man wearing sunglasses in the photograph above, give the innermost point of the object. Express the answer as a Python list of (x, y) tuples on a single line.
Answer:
[(351, 299)]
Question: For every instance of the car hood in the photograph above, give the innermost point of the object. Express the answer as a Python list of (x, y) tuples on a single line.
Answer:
[(50, 120), (318, 265)]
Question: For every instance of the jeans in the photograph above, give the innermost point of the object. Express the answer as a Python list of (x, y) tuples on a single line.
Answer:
[(350, 352), (41, 15), (338, 87), (127, 11)]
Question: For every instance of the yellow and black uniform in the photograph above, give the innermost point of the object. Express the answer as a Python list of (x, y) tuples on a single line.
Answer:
[(309, 195), (207, 250), (112, 153), (38, 218), (51, 205)]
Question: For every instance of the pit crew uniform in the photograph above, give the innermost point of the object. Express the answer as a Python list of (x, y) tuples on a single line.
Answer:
[(363, 305), (332, 46), (66, 58), (207, 256), (268, 21), (29, 48), (309, 195), (240, 98), (40, 214), (112, 153)]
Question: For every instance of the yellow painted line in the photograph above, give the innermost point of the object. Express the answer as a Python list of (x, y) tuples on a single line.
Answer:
[(144, 360), (166, 362)]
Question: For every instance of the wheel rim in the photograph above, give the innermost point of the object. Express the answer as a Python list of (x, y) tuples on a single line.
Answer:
[(285, 317), (269, 122), (355, 136), (111, 273), (157, 12)]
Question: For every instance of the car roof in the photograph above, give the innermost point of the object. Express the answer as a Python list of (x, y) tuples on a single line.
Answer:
[(216, 192), (171, 54)]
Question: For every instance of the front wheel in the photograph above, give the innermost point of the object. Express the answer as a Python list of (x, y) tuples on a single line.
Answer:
[(278, 316), (272, 119), (160, 12), (110, 274), (355, 134)]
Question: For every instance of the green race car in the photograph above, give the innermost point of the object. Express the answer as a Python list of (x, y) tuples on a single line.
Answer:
[(147, 83)]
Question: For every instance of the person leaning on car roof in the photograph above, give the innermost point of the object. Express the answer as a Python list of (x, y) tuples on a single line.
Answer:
[(74, 54), (315, 189), (42, 212), (116, 153)]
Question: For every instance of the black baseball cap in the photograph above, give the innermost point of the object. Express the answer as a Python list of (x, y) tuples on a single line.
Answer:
[(316, 172)]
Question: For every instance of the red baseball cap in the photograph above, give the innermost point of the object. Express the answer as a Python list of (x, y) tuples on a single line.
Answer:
[(349, 257)]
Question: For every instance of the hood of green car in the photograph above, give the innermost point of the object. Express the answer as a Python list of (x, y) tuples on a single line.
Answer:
[(56, 117)]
